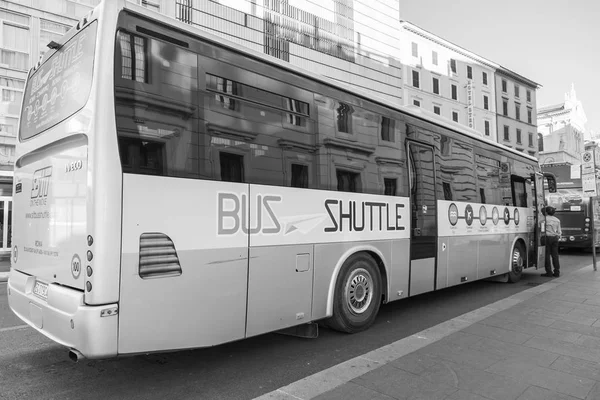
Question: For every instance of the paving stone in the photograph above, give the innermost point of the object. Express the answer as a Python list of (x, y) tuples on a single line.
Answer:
[(564, 348), (352, 391), (463, 355), (515, 351), (588, 341), (595, 301), (574, 327), (550, 379), (416, 362), (497, 333), (542, 331), (404, 385), (464, 395), (594, 393), (578, 319), (474, 380), (577, 366), (576, 306), (538, 393), (461, 339), (514, 315)]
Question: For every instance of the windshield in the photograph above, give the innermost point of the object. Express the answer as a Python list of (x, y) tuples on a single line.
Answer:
[(61, 86), (567, 200)]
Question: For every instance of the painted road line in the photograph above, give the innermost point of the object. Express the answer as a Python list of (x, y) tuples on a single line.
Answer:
[(13, 328), (326, 380)]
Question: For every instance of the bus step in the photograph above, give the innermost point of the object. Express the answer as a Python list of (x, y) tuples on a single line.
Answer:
[(307, 331)]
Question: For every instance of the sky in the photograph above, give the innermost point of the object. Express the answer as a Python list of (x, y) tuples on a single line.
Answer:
[(551, 42)]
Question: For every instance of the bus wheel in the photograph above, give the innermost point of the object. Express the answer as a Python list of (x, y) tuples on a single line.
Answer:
[(517, 263), (357, 295)]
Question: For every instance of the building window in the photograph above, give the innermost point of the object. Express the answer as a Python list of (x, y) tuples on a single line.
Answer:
[(437, 110), (528, 96), (469, 72), (417, 103), (348, 181), (299, 176), (133, 57), (390, 186), (504, 86), (484, 76), (505, 107), (344, 118), (506, 133), (529, 116), (518, 136), (487, 127), (299, 111), (486, 105), (232, 167), (415, 79), (454, 116), (530, 139), (50, 31), (516, 90), (434, 58), (517, 111), (152, 5), (436, 86), (387, 129), (15, 40), (453, 65), (12, 93), (540, 142), (415, 49), (454, 92), (184, 11), (227, 86)]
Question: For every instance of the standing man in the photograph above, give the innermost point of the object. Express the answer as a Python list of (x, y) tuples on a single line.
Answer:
[(553, 234)]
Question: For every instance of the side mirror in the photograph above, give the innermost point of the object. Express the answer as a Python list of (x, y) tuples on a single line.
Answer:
[(551, 179)]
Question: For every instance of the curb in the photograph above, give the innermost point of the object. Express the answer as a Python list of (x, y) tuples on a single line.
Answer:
[(340, 374)]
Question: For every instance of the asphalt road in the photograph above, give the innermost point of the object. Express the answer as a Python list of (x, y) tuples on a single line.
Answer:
[(33, 367)]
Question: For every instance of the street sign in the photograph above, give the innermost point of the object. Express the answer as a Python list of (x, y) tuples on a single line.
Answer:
[(588, 182), (587, 162)]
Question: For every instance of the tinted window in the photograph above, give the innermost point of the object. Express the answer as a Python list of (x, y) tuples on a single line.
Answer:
[(61, 86)]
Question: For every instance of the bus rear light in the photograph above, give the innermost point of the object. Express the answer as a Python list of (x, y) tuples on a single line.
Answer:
[(587, 229), (158, 256), (88, 286), (587, 220), (90, 271)]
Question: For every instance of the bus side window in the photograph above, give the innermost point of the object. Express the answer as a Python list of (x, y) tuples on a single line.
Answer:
[(519, 193)]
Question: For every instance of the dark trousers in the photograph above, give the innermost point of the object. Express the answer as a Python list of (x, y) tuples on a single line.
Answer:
[(552, 252)]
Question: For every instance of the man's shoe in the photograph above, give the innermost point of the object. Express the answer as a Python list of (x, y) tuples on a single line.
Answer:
[(547, 275), (556, 275)]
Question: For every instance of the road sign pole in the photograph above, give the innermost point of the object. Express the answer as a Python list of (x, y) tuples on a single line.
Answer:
[(593, 232)]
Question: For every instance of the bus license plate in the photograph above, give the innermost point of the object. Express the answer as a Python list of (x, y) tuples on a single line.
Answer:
[(40, 289)]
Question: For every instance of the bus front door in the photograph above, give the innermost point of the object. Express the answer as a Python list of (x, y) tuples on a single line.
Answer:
[(540, 221), (423, 235)]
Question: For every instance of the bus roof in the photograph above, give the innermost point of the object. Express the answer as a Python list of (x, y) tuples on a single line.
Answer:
[(414, 111)]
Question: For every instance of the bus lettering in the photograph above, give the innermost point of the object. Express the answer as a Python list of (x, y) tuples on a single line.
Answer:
[(233, 214), (337, 215)]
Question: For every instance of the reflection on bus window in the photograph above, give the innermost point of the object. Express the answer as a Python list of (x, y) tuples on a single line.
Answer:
[(567, 200)]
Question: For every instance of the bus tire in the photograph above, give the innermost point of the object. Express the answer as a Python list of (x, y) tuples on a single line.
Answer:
[(357, 295), (517, 263)]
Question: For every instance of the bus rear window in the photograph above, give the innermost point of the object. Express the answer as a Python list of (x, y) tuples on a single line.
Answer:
[(61, 86)]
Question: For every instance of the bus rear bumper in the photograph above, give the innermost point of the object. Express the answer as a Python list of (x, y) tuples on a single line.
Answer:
[(64, 318)]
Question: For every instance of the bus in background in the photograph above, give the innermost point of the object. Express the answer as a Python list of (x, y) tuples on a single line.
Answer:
[(174, 190), (572, 207)]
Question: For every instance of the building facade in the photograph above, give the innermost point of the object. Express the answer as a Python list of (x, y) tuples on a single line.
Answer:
[(561, 128), (517, 111), (448, 80)]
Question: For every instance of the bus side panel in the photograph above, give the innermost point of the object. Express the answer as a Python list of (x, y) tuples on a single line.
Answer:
[(494, 254), (202, 304), (279, 287)]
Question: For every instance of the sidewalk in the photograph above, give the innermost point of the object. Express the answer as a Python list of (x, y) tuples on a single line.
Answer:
[(542, 343)]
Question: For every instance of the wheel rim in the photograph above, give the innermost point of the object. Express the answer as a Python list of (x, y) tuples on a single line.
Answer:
[(517, 261), (359, 291)]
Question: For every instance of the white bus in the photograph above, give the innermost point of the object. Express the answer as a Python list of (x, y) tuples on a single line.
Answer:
[(174, 191)]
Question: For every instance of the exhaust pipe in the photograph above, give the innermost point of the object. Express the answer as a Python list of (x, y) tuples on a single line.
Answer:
[(75, 355)]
